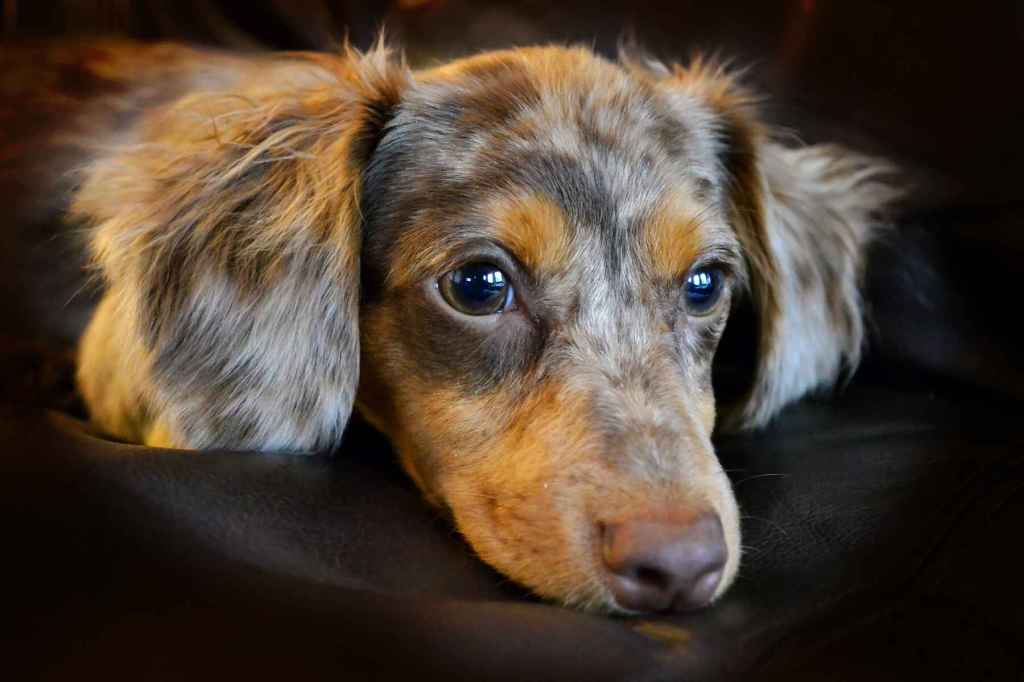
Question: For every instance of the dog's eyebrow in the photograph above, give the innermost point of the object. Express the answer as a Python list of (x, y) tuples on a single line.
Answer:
[(531, 228), (421, 255), (683, 231), (724, 254)]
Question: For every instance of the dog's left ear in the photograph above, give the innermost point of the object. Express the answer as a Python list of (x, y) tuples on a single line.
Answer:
[(228, 234), (804, 217)]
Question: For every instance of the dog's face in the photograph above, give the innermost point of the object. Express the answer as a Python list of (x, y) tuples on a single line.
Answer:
[(548, 267), (546, 247)]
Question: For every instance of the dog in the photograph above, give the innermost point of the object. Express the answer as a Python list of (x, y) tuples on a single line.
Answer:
[(517, 266)]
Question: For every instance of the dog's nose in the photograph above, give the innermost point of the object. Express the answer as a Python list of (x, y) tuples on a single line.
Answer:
[(657, 565)]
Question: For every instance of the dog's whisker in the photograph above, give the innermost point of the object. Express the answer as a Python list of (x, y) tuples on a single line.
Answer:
[(773, 524), (756, 477)]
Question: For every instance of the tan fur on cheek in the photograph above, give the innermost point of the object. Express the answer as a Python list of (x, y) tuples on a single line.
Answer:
[(512, 471), (521, 500)]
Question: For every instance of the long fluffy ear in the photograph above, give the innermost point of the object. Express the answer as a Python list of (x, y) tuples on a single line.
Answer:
[(820, 207), (805, 217), (228, 235)]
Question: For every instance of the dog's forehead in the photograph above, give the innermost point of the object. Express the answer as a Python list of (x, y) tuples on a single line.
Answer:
[(585, 130), (546, 148)]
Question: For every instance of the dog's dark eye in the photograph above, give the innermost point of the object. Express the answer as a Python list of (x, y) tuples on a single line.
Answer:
[(703, 289), (476, 289)]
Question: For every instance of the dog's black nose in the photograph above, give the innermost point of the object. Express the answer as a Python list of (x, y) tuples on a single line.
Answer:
[(656, 565)]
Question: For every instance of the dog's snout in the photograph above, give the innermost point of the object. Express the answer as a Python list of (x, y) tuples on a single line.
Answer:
[(656, 565)]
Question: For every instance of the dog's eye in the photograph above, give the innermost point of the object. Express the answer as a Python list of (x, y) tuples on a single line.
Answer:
[(703, 289), (476, 289)]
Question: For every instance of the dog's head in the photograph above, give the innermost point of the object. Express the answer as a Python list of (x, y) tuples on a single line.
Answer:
[(518, 266)]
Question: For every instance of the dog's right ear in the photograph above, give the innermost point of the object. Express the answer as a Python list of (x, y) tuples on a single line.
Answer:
[(805, 217), (228, 234)]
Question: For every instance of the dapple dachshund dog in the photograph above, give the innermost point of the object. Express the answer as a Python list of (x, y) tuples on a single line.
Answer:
[(517, 265)]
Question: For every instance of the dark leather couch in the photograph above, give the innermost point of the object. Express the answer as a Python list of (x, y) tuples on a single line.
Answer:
[(881, 523)]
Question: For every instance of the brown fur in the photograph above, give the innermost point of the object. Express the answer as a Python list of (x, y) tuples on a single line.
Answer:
[(534, 230), (676, 235), (272, 245)]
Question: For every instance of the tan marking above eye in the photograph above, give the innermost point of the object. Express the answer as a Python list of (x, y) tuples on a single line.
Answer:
[(678, 232), (534, 229), (673, 235), (531, 227)]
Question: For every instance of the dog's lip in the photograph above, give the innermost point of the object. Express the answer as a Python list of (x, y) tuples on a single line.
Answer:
[(597, 554), (597, 558)]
